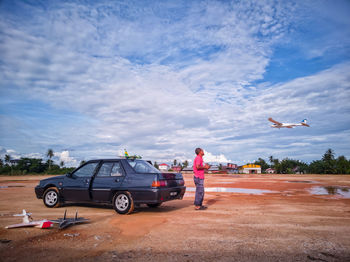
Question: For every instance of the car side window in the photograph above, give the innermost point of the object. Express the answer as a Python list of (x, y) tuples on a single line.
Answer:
[(110, 169), (86, 171), (105, 169), (117, 170)]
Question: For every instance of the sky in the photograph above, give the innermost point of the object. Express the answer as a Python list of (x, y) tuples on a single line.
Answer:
[(89, 79)]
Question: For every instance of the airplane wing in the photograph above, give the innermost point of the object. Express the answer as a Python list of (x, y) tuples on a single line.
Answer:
[(20, 225), (39, 224), (274, 121)]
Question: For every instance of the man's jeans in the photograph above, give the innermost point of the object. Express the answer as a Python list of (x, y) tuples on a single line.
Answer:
[(198, 200)]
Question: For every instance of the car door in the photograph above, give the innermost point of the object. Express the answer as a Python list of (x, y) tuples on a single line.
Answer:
[(109, 177), (76, 186)]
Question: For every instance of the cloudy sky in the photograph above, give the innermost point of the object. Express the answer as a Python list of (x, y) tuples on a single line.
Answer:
[(160, 78)]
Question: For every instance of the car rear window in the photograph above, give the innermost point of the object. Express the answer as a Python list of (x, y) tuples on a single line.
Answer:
[(141, 166)]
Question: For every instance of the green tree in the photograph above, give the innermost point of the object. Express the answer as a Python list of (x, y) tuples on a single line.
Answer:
[(156, 165), (82, 162), (328, 156), (342, 165), (8, 162), (185, 164), (8, 159), (50, 154), (316, 167), (220, 166), (261, 162), (329, 162), (62, 164), (30, 165), (175, 162), (291, 166)]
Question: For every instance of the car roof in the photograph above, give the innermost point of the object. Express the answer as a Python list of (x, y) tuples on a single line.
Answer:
[(114, 159)]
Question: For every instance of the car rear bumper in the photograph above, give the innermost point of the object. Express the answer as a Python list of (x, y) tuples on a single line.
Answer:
[(158, 195)]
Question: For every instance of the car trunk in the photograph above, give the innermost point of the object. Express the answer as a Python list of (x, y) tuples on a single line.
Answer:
[(172, 179)]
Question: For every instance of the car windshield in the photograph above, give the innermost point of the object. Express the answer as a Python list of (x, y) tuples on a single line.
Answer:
[(141, 166)]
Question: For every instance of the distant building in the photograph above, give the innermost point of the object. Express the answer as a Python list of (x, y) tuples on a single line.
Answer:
[(163, 167), (176, 168), (213, 169), (270, 171), (250, 169), (230, 168)]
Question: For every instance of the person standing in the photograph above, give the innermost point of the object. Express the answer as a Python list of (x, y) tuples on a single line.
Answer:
[(198, 170)]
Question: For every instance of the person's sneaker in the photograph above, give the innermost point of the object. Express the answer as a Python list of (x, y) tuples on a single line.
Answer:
[(201, 208)]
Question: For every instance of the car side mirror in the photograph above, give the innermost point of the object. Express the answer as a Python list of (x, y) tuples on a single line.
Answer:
[(69, 174)]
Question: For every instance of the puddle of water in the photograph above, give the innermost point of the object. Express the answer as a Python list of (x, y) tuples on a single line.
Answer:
[(9, 186), (232, 190), (189, 194), (331, 191)]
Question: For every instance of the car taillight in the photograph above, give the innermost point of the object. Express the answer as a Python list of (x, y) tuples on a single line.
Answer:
[(181, 183), (161, 183)]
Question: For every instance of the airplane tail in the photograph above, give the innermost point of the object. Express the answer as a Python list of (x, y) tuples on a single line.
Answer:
[(304, 122)]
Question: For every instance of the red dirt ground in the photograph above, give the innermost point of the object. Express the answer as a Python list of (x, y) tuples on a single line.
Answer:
[(288, 224)]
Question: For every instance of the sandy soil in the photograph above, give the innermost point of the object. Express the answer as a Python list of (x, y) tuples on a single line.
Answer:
[(287, 224)]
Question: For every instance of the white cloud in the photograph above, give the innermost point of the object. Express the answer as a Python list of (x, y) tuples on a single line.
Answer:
[(210, 158), (66, 158), (12, 153)]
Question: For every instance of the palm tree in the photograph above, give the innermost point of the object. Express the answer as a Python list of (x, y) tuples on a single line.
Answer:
[(185, 164), (329, 155), (7, 159), (50, 154)]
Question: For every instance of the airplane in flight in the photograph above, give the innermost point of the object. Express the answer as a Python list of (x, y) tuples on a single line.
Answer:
[(277, 124)]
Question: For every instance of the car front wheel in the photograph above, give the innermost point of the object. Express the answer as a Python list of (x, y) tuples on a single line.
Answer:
[(123, 203), (51, 197)]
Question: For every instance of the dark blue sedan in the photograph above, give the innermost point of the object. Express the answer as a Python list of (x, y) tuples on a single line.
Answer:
[(122, 182)]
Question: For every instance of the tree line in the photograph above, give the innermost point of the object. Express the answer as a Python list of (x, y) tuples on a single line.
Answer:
[(26, 165), (327, 165)]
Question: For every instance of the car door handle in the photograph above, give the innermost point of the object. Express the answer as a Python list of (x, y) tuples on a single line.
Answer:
[(87, 181), (117, 180)]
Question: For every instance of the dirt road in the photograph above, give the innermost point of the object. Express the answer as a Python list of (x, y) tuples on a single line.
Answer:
[(260, 218)]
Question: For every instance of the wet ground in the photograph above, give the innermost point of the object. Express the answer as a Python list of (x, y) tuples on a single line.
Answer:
[(249, 218)]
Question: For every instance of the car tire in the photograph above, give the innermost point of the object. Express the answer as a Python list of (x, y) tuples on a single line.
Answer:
[(154, 205), (123, 203), (51, 197)]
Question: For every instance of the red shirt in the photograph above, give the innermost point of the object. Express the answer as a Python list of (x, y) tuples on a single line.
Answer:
[(198, 161)]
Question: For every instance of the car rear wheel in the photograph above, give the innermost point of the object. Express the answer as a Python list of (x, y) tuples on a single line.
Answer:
[(123, 203), (51, 197), (154, 205)]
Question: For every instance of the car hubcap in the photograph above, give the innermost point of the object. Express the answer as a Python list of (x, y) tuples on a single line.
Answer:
[(51, 198), (122, 202)]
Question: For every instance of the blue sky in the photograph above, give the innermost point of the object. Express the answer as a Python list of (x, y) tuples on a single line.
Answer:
[(160, 78)]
